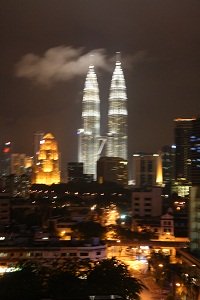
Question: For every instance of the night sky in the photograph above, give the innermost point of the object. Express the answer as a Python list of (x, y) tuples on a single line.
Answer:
[(44, 55)]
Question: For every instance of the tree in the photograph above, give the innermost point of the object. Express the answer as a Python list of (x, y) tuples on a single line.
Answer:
[(74, 280), (64, 285), (90, 229), (111, 277), (161, 268), (23, 284)]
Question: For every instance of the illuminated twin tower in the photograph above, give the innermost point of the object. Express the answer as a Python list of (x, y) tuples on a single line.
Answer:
[(91, 142)]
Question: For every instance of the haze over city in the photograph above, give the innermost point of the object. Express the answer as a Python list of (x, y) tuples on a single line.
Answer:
[(45, 53)]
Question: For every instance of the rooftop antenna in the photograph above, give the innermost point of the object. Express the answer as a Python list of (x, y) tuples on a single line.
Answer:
[(118, 57), (91, 60)]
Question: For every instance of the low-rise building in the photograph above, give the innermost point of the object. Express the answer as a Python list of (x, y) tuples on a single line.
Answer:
[(4, 209), (147, 202), (46, 251), (167, 227)]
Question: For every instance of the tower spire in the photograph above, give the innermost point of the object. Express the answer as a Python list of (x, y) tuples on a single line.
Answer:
[(91, 60), (118, 57)]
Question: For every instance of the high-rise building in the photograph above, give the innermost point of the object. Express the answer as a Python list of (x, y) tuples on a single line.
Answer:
[(6, 159), (183, 130), (168, 158), (18, 163), (21, 164), (47, 169), (117, 115), (112, 169), (195, 152), (75, 171), (194, 204), (147, 170), (5, 209), (89, 135), (194, 219), (38, 136)]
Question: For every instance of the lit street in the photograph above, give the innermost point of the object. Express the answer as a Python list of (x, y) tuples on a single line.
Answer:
[(136, 259)]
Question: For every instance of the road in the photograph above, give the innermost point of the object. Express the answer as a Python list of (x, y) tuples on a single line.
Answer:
[(138, 267), (153, 292)]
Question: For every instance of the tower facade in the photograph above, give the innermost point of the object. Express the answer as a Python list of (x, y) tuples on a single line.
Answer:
[(117, 140), (38, 136), (183, 131), (194, 219), (47, 168), (5, 165), (168, 158), (112, 169), (147, 170), (89, 134), (195, 152)]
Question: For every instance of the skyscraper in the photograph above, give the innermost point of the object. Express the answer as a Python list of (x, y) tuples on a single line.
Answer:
[(89, 135), (47, 169), (194, 219), (195, 152), (183, 130), (75, 171), (38, 136), (147, 169), (117, 115), (6, 159), (168, 157), (112, 169)]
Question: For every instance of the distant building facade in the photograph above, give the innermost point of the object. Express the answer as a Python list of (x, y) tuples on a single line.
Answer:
[(147, 169), (4, 209), (168, 160), (38, 136), (194, 220), (113, 169), (147, 202), (195, 152), (6, 159), (183, 131), (21, 164), (47, 169), (75, 171)]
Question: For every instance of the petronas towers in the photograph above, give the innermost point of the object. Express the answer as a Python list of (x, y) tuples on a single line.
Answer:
[(117, 115), (90, 133), (91, 142)]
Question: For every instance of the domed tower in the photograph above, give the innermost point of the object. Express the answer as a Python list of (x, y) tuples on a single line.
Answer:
[(47, 168)]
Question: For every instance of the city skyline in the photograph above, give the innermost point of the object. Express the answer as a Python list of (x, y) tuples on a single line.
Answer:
[(159, 45)]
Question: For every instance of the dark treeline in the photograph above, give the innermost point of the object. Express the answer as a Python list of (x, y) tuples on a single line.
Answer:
[(74, 280)]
